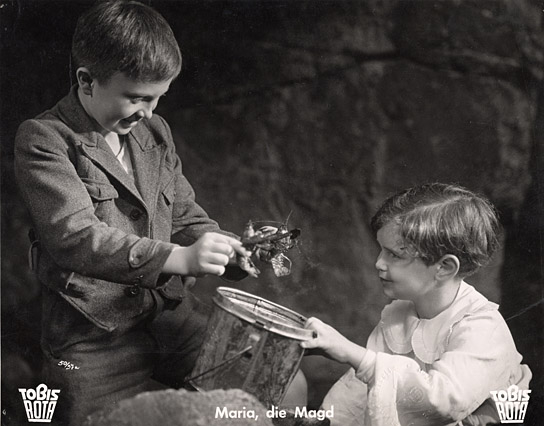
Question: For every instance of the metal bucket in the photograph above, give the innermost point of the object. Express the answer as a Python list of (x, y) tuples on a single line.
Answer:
[(250, 344)]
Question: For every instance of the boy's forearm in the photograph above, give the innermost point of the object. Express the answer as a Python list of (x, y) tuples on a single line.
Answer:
[(176, 263), (354, 354), (361, 359)]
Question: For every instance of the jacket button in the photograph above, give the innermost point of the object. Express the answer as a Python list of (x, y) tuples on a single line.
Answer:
[(135, 214), (132, 291)]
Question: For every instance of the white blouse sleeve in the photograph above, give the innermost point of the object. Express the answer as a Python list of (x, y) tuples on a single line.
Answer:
[(480, 356)]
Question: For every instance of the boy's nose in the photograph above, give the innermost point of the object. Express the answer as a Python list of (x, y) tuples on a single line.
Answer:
[(146, 112), (380, 264)]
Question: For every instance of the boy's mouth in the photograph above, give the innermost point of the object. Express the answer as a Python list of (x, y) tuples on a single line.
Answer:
[(129, 123)]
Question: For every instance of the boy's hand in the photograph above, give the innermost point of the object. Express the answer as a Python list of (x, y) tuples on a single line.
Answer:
[(208, 255), (332, 344)]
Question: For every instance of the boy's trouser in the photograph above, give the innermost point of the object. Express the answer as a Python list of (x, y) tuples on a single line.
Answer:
[(100, 368)]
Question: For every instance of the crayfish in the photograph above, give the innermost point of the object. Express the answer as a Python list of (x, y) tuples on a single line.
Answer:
[(268, 244)]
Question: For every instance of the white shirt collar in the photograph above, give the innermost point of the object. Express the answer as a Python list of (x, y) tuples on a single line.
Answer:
[(405, 332)]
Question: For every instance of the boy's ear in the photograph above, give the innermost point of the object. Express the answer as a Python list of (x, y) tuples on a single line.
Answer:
[(448, 267), (85, 80)]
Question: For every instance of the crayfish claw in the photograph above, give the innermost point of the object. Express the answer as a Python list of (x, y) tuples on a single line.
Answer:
[(245, 263)]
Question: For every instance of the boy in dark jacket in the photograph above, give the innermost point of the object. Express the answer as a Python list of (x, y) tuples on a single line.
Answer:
[(120, 235)]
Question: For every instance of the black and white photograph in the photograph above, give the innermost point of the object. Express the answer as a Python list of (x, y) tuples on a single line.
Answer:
[(272, 212)]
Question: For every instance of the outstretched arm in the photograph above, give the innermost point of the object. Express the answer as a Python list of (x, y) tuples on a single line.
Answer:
[(479, 356), (330, 343), (210, 254)]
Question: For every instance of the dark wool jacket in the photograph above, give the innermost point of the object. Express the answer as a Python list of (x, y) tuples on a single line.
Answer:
[(104, 236)]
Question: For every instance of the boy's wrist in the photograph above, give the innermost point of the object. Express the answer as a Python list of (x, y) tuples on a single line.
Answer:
[(355, 355), (176, 263), (365, 370)]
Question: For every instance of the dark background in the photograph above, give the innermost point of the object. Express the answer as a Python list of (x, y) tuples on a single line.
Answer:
[(317, 111)]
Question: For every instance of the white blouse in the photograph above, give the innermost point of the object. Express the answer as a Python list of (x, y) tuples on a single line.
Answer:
[(437, 371)]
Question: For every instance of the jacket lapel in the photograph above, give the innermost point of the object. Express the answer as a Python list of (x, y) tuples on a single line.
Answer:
[(145, 153), (147, 157), (101, 155)]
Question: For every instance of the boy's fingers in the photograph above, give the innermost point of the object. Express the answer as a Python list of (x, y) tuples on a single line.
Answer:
[(224, 246), (218, 259), (309, 344), (312, 322), (235, 244), (239, 248), (218, 270)]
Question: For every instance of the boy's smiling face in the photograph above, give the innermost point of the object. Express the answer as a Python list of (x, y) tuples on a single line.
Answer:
[(120, 103), (403, 276)]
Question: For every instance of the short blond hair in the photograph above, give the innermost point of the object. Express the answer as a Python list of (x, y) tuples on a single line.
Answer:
[(437, 219)]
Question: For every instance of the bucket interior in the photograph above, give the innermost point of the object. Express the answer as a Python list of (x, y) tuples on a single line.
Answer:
[(276, 317)]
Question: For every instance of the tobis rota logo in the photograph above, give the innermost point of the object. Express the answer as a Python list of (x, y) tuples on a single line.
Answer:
[(511, 404), (40, 403)]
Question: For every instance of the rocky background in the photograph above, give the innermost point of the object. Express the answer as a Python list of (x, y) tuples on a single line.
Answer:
[(316, 111)]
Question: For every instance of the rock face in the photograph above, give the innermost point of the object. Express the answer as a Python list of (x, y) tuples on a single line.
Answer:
[(184, 408), (317, 111)]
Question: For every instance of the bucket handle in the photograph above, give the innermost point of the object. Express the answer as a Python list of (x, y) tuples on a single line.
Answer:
[(221, 364)]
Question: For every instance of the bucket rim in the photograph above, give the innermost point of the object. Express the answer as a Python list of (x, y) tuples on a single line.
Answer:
[(222, 300)]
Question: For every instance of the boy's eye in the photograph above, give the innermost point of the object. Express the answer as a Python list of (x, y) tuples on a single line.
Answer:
[(139, 99), (393, 255)]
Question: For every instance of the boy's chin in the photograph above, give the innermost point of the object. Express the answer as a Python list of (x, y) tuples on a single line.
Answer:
[(122, 130), (124, 126), (389, 294), (387, 291)]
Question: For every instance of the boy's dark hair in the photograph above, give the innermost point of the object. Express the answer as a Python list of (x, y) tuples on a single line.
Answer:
[(128, 37), (438, 219)]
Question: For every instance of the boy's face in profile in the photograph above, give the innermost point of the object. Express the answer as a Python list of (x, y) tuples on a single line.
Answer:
[(121, 102), (403, 276)]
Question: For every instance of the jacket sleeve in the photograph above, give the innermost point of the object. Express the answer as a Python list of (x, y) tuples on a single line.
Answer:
[(63, 214), (480, 357)]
